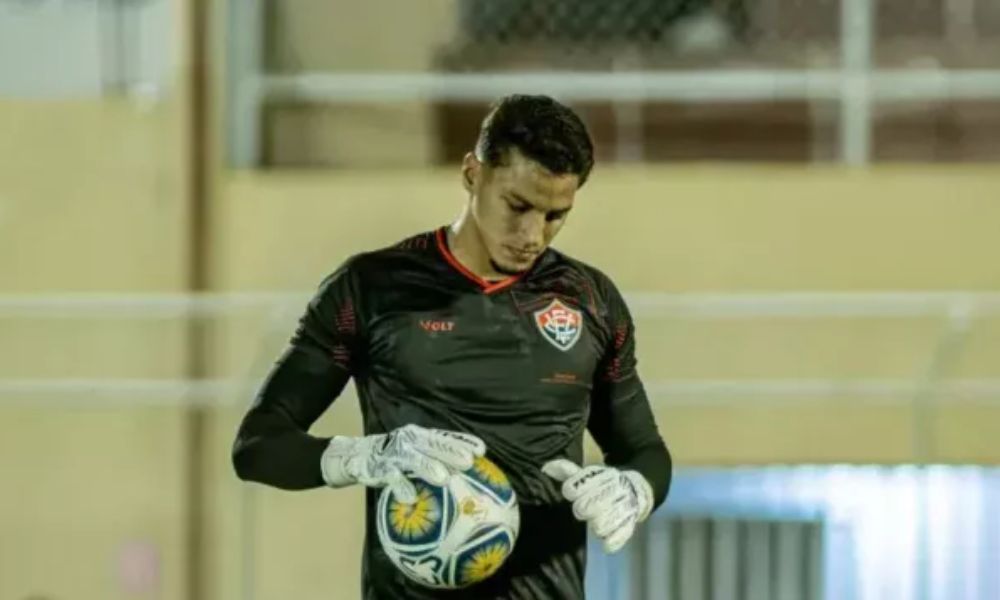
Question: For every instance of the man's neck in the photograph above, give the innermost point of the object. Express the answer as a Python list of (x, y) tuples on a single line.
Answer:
[(466, 245)]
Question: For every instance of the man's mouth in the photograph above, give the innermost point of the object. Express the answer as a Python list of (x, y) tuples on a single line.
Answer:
[(521, 254)]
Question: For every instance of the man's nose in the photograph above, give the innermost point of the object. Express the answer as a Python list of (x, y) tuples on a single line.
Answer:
[(531, 230)]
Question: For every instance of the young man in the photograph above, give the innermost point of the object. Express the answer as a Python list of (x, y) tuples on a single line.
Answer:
[(477, 338)]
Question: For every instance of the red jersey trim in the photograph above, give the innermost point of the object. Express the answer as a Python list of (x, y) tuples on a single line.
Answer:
[(488, 287)]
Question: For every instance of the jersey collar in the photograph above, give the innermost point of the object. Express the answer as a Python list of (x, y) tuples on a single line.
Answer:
[(488, 287)]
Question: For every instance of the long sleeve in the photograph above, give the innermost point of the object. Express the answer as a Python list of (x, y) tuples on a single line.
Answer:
[(273, 445), (621, 420)]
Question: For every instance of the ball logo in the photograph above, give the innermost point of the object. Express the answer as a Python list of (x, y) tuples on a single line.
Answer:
[(560, 324), (472, 509)]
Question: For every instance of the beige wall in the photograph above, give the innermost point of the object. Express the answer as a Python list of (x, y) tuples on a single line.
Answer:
[(92, 199), (92, 196), (695, 228), (350, 37), (80, 485)]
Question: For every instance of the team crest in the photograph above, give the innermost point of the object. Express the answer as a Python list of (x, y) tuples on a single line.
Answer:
[(560, 324)]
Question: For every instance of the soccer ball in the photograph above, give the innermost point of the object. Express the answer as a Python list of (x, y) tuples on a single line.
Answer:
[(455, 535)]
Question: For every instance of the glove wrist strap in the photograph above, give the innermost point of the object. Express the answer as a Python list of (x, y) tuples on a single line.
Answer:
[(333, 463), (644, 493)]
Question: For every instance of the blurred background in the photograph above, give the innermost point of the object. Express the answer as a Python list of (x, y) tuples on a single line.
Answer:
[(801, 201)]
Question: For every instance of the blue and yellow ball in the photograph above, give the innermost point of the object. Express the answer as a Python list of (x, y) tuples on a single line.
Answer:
[(455, 535)]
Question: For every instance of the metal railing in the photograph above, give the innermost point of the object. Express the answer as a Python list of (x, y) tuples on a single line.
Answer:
[(857, 86)]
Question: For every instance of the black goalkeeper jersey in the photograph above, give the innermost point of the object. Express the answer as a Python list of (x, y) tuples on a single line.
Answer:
[(527, 364)]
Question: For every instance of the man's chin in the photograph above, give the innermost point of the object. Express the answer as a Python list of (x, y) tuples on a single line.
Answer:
[(509, 269)]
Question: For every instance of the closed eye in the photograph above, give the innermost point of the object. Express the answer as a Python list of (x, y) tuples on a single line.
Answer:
[(519, 206)]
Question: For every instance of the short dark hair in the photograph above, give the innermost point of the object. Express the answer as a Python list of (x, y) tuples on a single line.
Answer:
[(542, 129)]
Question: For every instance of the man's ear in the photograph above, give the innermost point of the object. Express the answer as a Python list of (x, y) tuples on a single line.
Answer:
[(472, 170)]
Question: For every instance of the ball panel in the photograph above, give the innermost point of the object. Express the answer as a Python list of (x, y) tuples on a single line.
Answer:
[(487, 474), (481, 560), (484, 533), (428, 570), (419, 523)]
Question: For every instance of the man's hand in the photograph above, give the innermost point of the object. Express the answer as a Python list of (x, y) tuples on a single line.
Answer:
[(387, 459), (613, 502)]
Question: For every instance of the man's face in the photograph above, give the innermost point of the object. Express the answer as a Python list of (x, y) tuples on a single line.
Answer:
[(518, 206)]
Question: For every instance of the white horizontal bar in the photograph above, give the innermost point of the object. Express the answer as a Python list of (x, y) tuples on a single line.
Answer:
[(815, 304), (652, 304), (729, 85), (797, 388), (230, 392), (143, 305), (733, 85), (128, 392), (925, 85)]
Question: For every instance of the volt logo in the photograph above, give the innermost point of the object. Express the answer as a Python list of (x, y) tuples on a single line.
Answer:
[(436, 326)]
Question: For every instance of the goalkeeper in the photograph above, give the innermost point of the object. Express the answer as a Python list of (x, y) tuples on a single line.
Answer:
[(477, 338)]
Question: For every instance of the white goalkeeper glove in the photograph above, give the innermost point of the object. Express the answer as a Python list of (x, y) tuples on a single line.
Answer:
[(388, 459), (613, 502)]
